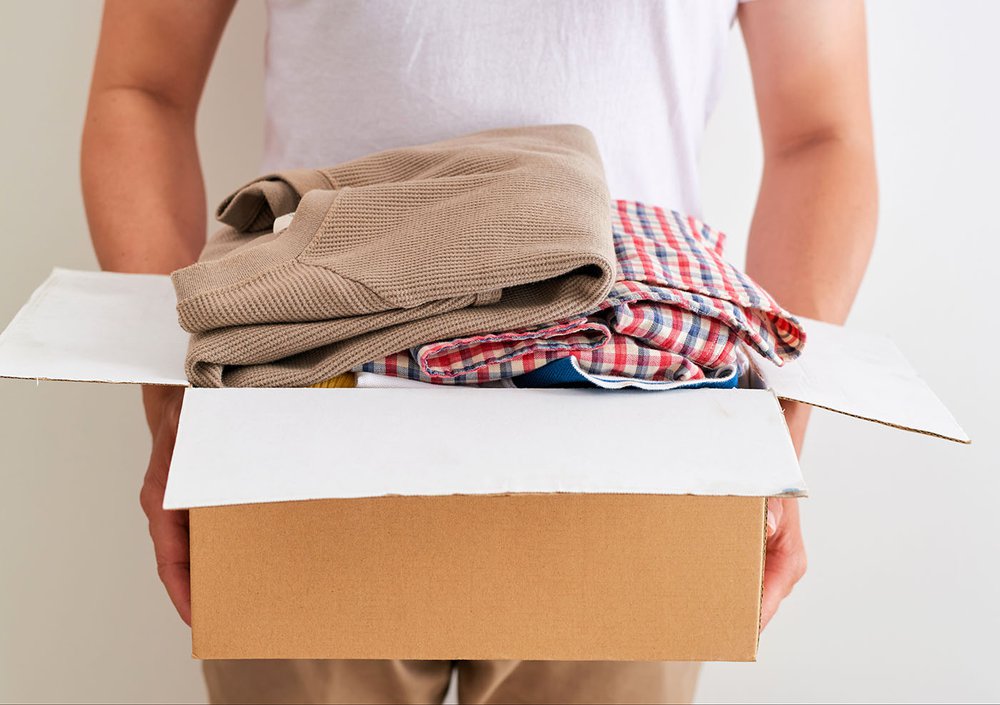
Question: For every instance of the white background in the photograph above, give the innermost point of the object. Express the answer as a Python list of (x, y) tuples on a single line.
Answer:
[(901, 599)]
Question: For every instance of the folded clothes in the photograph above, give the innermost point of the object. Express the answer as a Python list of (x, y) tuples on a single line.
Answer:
[(564, 372), (675, 315), (496, 231), (372, 380), (458, 358), (567, 372)]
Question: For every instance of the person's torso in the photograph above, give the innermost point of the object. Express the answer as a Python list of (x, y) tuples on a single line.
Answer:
[(348, 77)]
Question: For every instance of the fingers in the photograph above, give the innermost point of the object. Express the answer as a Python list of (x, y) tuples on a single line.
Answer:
[(779, 579), (785, 562), (177, 580), (168, 529)]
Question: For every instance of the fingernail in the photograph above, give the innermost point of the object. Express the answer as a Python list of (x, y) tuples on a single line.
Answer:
[(772, 523)]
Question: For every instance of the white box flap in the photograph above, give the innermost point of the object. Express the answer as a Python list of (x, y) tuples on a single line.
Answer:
[(862, 375), (97, 327), (237, 446)]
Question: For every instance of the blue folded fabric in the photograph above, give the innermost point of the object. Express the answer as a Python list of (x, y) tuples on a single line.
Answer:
[(566, 372)]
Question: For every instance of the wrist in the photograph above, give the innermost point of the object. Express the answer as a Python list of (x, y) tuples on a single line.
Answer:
[(796, 418), (156, 399)]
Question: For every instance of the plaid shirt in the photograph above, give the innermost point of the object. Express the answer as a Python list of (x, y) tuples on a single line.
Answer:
[(677, 309)]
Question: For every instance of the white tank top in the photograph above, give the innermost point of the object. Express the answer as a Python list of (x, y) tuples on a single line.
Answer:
[(348, 77)]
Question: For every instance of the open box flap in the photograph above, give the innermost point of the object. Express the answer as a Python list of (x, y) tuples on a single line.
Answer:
[(237, 446), (97, 327), (862, 375), (110, 327)]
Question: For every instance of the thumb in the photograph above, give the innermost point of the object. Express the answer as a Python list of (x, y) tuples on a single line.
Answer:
[(775, 510)]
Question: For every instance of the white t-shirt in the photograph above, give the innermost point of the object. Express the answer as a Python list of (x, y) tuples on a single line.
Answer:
[(348, 77)]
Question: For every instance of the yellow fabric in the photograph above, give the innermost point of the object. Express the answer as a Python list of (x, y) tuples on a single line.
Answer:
[(344, 381)]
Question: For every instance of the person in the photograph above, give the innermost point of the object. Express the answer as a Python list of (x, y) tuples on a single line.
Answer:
[(351, 77)]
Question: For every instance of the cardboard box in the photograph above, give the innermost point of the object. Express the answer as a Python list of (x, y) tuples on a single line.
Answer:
[(457, 523)]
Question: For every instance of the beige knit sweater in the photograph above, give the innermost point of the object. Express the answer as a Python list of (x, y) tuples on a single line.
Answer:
[(493, 231)]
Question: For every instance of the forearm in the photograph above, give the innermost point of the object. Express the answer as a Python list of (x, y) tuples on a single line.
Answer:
[(812, 234), (142, 182), (814, 225), (143, 192)]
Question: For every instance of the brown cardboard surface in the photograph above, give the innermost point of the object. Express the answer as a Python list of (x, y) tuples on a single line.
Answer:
[(526, 576)]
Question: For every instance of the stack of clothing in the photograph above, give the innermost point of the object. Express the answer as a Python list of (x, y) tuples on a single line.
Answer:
[(493, 258)]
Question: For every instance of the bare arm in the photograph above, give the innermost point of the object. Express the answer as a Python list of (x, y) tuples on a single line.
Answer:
[(142, 182), (144, 195), (814, 225)]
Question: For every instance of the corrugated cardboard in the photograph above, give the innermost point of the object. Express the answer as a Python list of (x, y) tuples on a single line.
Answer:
[(443, 523), (564, 576), (541, 524)]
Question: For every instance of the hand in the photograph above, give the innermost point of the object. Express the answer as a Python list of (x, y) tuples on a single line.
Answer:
[(168, 529), (785, 560)]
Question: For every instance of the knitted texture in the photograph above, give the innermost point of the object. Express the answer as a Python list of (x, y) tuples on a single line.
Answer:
[(488, 232)]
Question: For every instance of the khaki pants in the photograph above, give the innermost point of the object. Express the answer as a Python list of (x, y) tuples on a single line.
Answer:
[(427, 681)]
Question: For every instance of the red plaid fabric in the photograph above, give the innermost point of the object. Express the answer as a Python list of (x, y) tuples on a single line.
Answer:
[(677, 310), (674, 259), (404, 364), (457, 358)]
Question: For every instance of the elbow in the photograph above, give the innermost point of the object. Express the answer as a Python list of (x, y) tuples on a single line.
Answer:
[(854, 140), (836, 159)]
